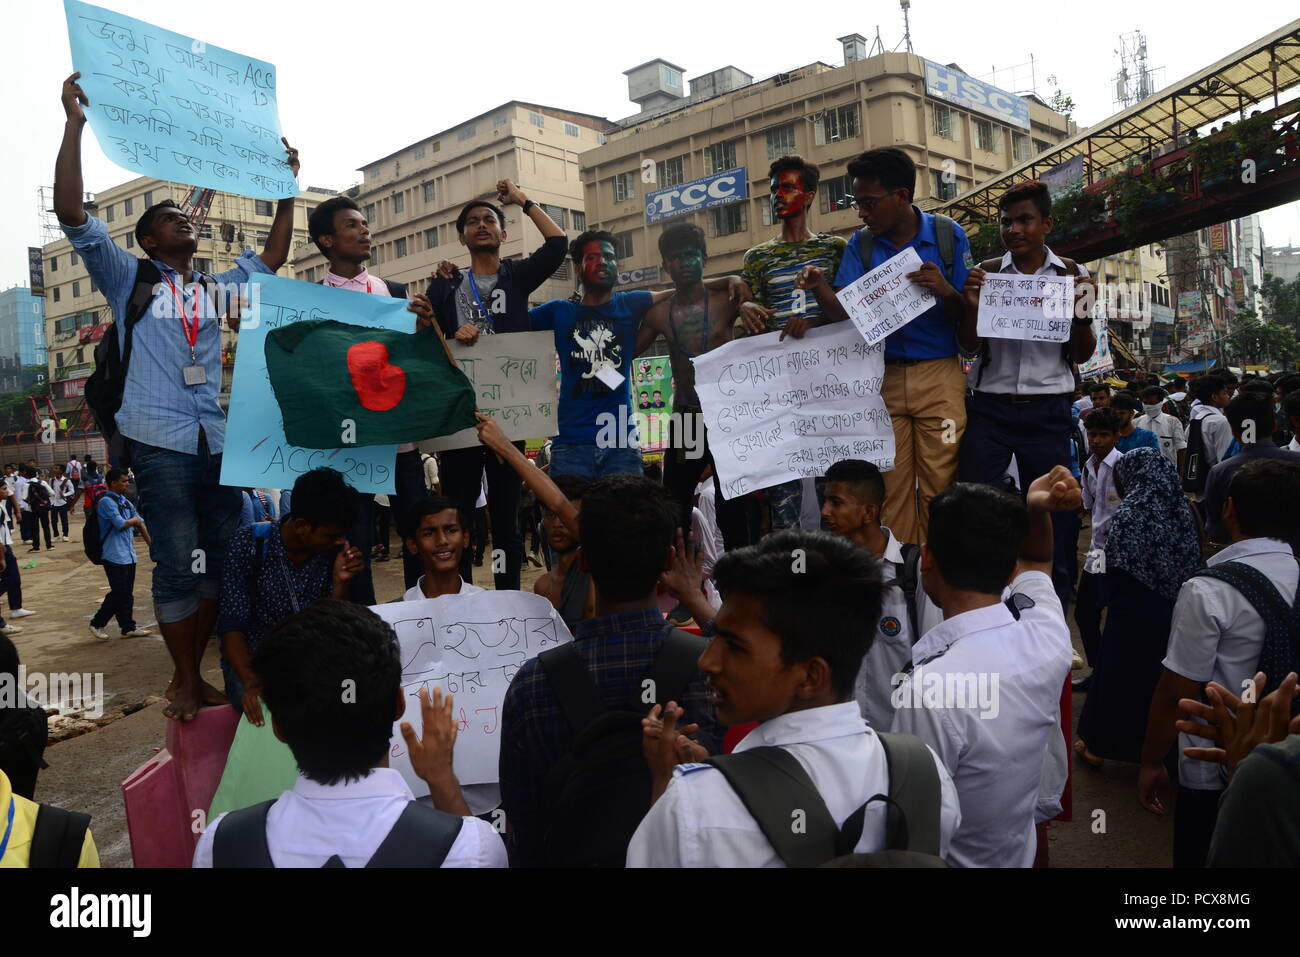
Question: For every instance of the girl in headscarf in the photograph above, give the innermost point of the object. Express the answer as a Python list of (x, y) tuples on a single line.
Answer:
[(1151, 550)]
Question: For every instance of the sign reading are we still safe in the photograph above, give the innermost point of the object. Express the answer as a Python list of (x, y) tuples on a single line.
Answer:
[(1031, 308), (884, 299), (174, 108)]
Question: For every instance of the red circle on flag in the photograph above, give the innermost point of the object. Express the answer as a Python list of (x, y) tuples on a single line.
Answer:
[(380, 385)]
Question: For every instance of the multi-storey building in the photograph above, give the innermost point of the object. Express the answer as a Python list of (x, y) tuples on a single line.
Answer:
[(22, 340)]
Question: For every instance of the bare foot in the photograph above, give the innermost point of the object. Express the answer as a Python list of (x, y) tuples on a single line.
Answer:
[(185, 703), (212, 696)]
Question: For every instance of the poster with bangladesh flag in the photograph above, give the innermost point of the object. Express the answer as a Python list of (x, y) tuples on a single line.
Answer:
[(340, 385)]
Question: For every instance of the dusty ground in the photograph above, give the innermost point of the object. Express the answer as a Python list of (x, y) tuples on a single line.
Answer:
[(86, 772)]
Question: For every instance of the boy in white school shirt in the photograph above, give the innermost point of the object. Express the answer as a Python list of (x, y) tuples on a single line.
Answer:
[(1012, 657), (1101, 499), (437, 535), (788, 645), (1167, 428), (1218, 634), (347, 806)]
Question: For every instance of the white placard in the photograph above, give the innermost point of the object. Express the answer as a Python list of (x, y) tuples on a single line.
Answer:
[(1030, 308), (471, 646), (777, 411), (884, 300)]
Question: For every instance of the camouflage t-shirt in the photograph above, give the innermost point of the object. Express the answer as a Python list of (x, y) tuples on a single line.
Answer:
[(771, 268)]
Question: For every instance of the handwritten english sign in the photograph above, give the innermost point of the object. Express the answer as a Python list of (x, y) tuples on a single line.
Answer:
[(884, 300), (257, 453), (514, 382), (470, 646), (172, 107), (778, 411), (1030, 308)]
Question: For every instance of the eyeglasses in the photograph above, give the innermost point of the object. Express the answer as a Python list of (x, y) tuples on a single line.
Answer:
[(866, 203)]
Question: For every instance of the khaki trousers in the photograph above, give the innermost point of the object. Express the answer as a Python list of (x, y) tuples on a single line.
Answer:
[(927, 403)]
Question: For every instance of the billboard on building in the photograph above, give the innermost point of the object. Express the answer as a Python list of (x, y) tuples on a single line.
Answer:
[(35, 270), (1238, 284), (952, 86), (1219, 237), (1189, 305), (729, 186)]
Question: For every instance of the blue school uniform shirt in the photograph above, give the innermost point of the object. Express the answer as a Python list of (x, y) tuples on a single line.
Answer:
[(586, 338), (118, 541), (1139, 439), (931, 335)]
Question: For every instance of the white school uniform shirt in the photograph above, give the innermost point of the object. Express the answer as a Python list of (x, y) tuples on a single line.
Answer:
[(701, 822), (312, 822), (1216, 635), (1216, 434), (1016, 367), (708, 507), (60, 491), (891, 649), (1294, 444), (1167, 429), (6, 537), (416, 591), (1101, 499), (20, 493), (996, 760)]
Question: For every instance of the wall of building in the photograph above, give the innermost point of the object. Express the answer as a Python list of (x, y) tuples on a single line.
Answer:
[(23, 356)]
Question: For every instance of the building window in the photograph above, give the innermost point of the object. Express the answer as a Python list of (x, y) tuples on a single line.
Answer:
[(372, 173), (984, 136), (942, 120), (672, 172), (262, 207), (76, 289), (672, 78), (58, 360), (537, 119), (130, 240), (399, 248), (56, 293), (944, 186), (399, 203), (555, 212), (75, 260), (148, 198), (838, 124), (108, 213), (780, 141), (54, 264), (765, 213), (81, 355), (127, 206), (1041, 146), (833, 193), (261, 238), (623, 246), (719, 157), (500, 120), (571, 129), (564, 272), (578, 220), (1020, 149), (370, 213), (466, 132), (728, 219), (203, 265), (205, 231), (602, 139), (437, 145), (430, 192), (418, 153), (624, 187), (376, 255), (431, 237)]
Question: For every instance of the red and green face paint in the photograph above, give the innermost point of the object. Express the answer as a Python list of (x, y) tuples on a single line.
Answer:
[(789, 198), (685, 265), (599, 265)]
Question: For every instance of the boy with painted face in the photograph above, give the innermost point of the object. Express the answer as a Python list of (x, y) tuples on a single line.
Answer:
[(693, 321), (772, 269), (596, 339)]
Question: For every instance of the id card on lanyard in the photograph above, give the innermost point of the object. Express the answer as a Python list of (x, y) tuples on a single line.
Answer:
[(473, 287), (194, 373)]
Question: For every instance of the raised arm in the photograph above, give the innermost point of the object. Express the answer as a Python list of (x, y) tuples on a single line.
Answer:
[(276, 251), (1057, 491), (509, 194), (547, 492), (68, 187)]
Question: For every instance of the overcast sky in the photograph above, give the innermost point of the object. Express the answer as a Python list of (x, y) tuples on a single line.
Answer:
[(358, 80)]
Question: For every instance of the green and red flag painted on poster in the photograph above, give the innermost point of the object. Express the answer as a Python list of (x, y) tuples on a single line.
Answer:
[(340, 385)]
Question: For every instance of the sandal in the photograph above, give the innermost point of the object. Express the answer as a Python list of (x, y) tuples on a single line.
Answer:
[(1081, 751)]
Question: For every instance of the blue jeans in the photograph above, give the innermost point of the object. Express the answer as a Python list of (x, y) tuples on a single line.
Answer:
[(592, 462), (191, 516)]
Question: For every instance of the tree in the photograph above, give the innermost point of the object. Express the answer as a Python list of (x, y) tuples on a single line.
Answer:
[(1254, 342), (1281, 301), (1060, 101)]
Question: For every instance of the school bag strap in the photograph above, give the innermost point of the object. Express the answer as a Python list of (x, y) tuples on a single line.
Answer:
[(944, 235), (58, 837), (907, 576), (396, 290), (240, 840)]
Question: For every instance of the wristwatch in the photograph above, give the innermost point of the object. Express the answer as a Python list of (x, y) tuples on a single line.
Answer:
[(528, 204)]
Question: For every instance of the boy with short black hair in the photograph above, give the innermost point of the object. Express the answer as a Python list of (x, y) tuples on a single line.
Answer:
[(1167, 428), (438, 535), (1250, 414), (1130, 436), (118, 521), (348, 808), (1208, 433), (566, 585), (789, 645), (854, 496), (1101, 499)]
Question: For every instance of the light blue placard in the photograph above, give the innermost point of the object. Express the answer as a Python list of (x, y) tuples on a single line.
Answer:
[(174, 108), (257, 455)]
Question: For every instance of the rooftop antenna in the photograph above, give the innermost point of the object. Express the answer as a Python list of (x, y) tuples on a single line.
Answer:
[(907, 24), (877, 45)]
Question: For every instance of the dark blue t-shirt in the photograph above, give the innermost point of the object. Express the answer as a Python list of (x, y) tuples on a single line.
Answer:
[(586, 338)]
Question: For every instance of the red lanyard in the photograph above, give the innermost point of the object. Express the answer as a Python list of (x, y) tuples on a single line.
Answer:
[(191, 332)]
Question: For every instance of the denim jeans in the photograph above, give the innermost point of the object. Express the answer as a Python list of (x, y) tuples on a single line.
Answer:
[(191, 517), (592, 462)]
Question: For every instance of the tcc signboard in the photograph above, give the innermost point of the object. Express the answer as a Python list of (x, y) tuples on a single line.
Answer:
[(715, 190), (969, 93)]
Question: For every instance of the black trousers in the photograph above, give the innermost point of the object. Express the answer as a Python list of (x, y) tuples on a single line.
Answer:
[(1087, 613), (461, 471), (59, 515), (26, 525), (120, 600), (11, 580), (41, 517), (682, 475), (1195, 815)]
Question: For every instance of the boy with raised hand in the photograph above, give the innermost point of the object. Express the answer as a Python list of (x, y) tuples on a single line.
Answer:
[(348, 808), (855, 494), (438, 536), (566, 586), (275, 569), (170, 420), (788, 646), (996, 667)]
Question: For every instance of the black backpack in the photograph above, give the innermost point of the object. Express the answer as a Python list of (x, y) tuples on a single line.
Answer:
[(92, 536), (1281, 652), (1195, 472), (24, 731), (422, 837), (37, 497), (773, 785), (107, 383), (907, 577), (596, 795), (945, 238), (57, 838)]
